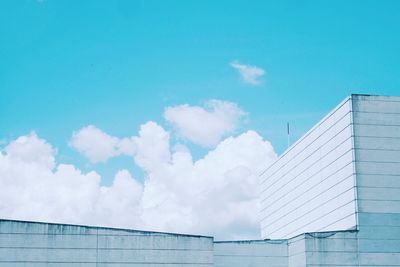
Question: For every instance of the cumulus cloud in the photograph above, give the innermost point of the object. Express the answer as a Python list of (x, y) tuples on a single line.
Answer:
[(216, 195), (30, 149), (250, 74), (32, 190), (205, 126), (152, 146), (98, 146)]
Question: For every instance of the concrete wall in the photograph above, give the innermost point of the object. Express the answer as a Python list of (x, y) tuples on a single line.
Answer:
[(43, 244), (310, 187), (359, 145), (297, 251), (257, 253), (377, 156), (376, 131), (332, 249)]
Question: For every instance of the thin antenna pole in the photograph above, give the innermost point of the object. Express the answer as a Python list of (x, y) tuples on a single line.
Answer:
[(288, 135)]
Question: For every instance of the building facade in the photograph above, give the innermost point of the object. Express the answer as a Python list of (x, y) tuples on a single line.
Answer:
[(335, 193), (311, 187)]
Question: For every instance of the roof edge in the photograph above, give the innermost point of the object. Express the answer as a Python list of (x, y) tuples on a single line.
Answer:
[(104, 228)]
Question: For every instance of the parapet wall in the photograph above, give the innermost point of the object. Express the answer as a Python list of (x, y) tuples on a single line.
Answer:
[(42, 244), (251, 253)]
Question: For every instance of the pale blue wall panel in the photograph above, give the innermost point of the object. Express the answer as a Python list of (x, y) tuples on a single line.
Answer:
[(332, 258), (152, 256), (380, 259), (376, 180), (377, 147), (379, 104), (251, 253), (152, 241), (380, 232), (379, 219), (49, 264), (297, 251), (50, 255), (276, 248), (376, 142), (47, 241), (379, 245), (42, 244), (378, 168)]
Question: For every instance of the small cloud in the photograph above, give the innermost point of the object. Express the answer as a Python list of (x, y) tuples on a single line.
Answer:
[(250, 74)]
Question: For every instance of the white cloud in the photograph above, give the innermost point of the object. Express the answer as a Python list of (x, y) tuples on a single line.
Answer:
[(32, 190), (152, 146), (98, 146), (205, 126), (216, 195), (122, 200), (250, 74), (31, 149)]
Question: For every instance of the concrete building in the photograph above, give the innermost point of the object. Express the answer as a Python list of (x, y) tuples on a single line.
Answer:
[(332, 199), (335, 193), (312, 186)]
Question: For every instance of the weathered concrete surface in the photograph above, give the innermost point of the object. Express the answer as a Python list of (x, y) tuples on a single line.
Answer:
[(377, 164), (251, 253), (44, 244)]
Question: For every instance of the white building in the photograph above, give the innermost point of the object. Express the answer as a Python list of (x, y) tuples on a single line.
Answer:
[(344, 174), (312, 186)]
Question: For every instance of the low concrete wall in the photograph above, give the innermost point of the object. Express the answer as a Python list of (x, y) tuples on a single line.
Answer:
[(332, 249), (43, 244), (297, 251), (254, 253), (370, 246)]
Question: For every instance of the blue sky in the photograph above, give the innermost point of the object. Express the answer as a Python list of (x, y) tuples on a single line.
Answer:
[(117, 64)]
